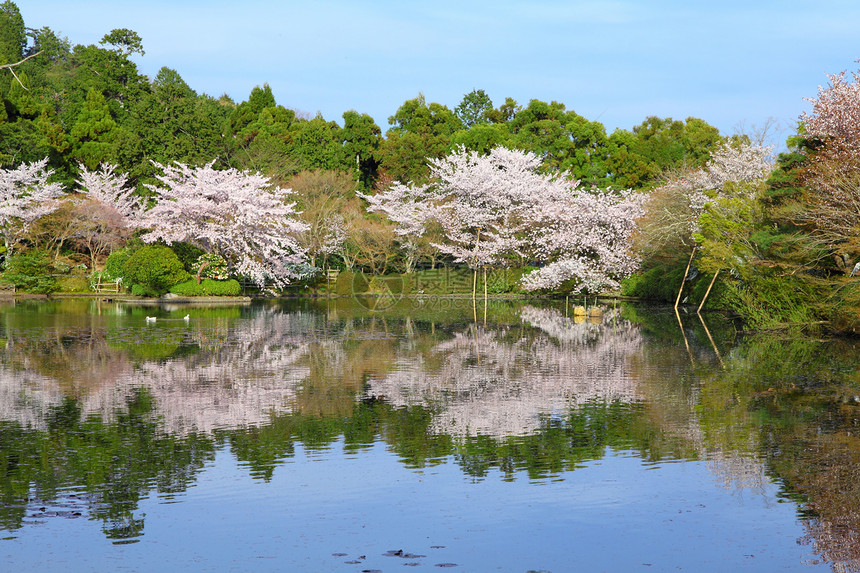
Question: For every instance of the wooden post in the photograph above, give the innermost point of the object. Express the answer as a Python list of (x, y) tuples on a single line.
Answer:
[(485, 296), (707, 292), (475, 262), (485, 285), (686, 271)]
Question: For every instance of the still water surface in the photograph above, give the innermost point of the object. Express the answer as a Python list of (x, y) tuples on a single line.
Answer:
[(334, 436)]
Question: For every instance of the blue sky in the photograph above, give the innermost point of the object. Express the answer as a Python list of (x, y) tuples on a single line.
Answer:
[(617, 62)]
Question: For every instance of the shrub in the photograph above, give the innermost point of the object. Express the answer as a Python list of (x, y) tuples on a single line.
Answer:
[(659, 283), (504, 280), (210, 266), (30, 271), (115, 263), (153, 269), (139, 290), (207, 287), (188, 254)]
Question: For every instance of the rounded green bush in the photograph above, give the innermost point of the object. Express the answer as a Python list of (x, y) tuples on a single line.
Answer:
[(154, 269), (116, 262), (31, 271)]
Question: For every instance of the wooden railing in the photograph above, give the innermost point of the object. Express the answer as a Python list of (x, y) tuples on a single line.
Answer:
[(105, 287)]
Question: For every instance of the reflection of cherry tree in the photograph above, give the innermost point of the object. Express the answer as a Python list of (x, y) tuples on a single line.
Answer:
[(26, 396), (250, 375), (242, 375), (494, 383)]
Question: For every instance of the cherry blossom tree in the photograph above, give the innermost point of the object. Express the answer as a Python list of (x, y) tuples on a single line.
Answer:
[(112, 190), (501, 204), (25, 195), (830, 208), (409, 208), (335, 236), (728, 185), (496, 206), (673, 210), (237, 215), (480, 203), (835, 116), (483, 202), (584, 236), (106, 213)]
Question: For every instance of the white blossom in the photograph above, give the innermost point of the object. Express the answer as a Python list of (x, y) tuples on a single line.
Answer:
[(237, 215), (111, 189), (25, 195)]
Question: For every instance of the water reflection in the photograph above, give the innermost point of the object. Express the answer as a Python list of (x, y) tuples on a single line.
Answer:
[(205, 374), (99, 409), (511, 380)]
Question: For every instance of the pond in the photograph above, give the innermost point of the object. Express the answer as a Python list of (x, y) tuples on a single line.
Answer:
[(370, 435)]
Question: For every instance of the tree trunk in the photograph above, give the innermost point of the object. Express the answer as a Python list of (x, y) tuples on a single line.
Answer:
[(200, 271)]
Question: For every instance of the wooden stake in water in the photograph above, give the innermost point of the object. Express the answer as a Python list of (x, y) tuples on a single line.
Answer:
[(707, 292), (686, 271)]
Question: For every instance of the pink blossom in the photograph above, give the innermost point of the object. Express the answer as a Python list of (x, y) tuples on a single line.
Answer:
[(237, 215), (25, 195)]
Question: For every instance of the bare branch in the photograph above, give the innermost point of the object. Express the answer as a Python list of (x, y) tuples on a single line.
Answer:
[(10, 66)]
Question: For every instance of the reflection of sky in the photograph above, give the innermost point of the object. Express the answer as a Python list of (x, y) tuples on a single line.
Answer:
[(616, 514)]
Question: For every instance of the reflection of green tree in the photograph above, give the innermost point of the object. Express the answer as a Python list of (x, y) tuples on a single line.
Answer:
[(155, 344), (795, 402), (116, 464), (565, 444)]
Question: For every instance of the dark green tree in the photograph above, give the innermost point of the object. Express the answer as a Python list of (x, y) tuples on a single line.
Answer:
[(13, 35), (318, 144), (505, 112), (361, 141), (261, 134), (483, 137), (565, 140), (474, 109), (110, 72), (248, 112), (95, 132), (125, 41), (173, 123), (418, 131)]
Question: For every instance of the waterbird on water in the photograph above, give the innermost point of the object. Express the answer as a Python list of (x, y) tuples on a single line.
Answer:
[(150, 319), (186, 318)]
